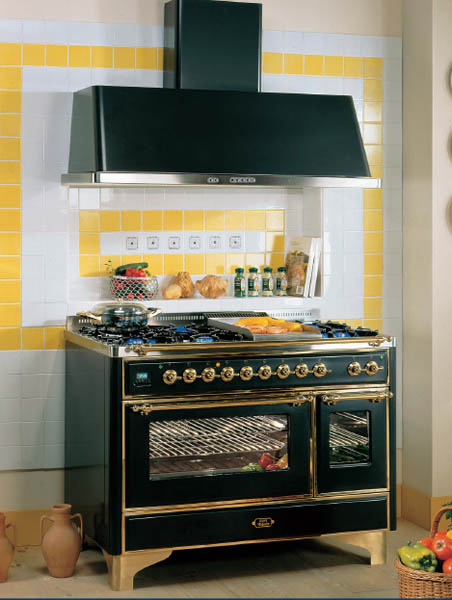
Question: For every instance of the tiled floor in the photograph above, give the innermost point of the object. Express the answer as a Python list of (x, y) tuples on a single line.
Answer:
[(300, 569)]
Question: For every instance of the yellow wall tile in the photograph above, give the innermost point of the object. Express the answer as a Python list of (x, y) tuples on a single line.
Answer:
[(155, 263), (10, 219), (215, 264), (10, 149), (80, 56), (373, 242), (255, 220), (193, 220), (293, 64), (173, 220), (373, 264), (373, 89), (376, 171), (353, 322), (10, 54), (373, 285), (372, 133), (373, 220), (373, 111), (273, 62), (10, 78), (10, 196), (89, 243), (353, 66), (234, 261), (10, 172), (102, 57), (89, 220), (274, 242), (173, 263), (10, 126), (124, 58), (54, 338), (34, 55), (131, 220), (9, 315), (274, 220), (89, 266), (108, 263), (215, 220), (10, 291), (56, 56), (110, 220), (374, 155), (372, 308), (9, 242), (32, 338), (235, 220), (10, 339), (160, 53), (373, 67), (255, 260), (10, 102), (152, 220), (275, 260), (334, 66), (131, 258), (195, 264), (313, 64), (146, 58), (9, 267), (373, 324)]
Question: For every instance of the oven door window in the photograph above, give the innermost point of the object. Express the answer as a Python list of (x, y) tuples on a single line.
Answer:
[(349, 433), (216, 445)]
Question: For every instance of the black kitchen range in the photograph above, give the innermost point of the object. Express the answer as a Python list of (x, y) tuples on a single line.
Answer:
[(184, 423)]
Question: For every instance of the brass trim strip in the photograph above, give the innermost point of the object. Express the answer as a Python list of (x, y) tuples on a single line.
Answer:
[(332, 399)]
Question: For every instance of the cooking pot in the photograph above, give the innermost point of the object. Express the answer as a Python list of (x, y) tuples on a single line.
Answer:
[(121, 315)]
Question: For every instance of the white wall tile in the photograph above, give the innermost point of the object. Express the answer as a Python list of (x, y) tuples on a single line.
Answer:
[(32, 457), (352, 45), (354, 86), (89, 199), (293, 42), (157, 36), (78, 79), (371, 45), (10, 434), (314, 43), (9, 410), (392, 264), (54, 409), (32, 409), (55, 313), (33, 314), (392, 47), (56, 32), (10, 362), (54, 456), (10, 30), (392, 178), (54, 432), (254, 241), (392, 113), (392, 69), (145, 36), (272, 41), (392, 133), (125, 35), (333, 44), (392, 155), (32, 433), (10, 458)]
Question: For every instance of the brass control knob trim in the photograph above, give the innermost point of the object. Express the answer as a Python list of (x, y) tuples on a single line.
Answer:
[(301, 370), (169, 376), (283, 371), (372, 368), (227, 374), (208, 374), (264, 372), (320, 370), (354, 369), (246, 373), (189, 375)]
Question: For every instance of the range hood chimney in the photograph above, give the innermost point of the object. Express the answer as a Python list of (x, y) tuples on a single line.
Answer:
[(210, 125)]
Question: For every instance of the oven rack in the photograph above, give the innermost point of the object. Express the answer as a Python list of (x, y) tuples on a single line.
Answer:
[(348, 446), (214, 436)]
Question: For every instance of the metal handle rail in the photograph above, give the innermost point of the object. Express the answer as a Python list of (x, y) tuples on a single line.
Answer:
[(332, 399)]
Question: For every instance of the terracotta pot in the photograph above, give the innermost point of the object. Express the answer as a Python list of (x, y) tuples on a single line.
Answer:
[(7, 549), (61, 543)]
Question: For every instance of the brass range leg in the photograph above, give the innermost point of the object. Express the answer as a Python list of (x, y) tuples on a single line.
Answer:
[(123, 568), (373, 541)]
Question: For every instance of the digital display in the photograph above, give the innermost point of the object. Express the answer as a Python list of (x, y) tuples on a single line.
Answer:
[(142, 378)]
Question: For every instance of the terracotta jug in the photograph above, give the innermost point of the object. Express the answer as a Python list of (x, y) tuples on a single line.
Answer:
[(61, 543), (6, 548)]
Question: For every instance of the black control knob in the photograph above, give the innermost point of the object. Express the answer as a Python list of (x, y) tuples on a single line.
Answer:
[(264, 372)]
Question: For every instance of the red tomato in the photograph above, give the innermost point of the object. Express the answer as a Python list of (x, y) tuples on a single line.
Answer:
[(447, 566), (265, 460), (130, 296), (442, 546), (272, 467), (427, 542), (141, 273)]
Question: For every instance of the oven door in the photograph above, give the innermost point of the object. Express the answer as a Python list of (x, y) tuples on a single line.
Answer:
[(218, 450), (352, 440)]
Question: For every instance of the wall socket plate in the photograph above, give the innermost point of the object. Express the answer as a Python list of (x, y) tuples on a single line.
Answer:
[(235, 242), (132, 243), (174, 242), (215, 242), (152, 242), (194, 242)]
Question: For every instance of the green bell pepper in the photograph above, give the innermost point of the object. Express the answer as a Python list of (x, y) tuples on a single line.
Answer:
[(417, 556)]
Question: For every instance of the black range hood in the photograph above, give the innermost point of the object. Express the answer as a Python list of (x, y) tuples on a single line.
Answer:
[(192, 133)]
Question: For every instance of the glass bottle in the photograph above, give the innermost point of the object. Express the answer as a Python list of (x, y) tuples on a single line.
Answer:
[(281, 282), (267, 282), (253, 282), (239, 283)]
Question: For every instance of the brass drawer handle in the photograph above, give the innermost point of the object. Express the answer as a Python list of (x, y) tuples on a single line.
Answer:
[(332, 399), (261, 522)]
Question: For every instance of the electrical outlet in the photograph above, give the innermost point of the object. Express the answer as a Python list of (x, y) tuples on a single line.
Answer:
[(152, 242), (215, 242), (194, 242), (174, 242), (132, 243), (235, 242)]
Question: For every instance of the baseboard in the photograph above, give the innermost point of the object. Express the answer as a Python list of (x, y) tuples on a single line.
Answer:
[(420, 508), (27, 525)]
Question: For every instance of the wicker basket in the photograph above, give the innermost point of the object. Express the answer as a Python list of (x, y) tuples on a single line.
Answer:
[(420, 584)]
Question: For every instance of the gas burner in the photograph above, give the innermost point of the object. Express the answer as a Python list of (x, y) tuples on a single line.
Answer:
[(334, 329)]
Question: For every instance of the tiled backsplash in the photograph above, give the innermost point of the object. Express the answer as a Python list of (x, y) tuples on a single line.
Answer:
[(54, 242)]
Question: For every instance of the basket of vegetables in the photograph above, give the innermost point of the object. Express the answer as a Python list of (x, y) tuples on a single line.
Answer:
[(425, 568), (133, 282)]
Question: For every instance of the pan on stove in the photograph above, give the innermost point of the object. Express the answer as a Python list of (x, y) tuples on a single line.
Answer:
[(121, 315)]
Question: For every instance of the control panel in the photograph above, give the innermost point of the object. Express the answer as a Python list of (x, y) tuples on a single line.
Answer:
[(147, 377)]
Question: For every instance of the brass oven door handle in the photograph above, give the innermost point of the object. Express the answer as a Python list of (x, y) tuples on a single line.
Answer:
[(332, 399)]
